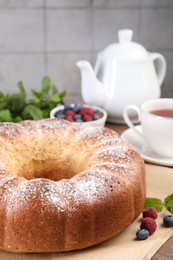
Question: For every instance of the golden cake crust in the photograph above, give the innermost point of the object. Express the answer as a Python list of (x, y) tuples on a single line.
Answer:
[(65, 186)]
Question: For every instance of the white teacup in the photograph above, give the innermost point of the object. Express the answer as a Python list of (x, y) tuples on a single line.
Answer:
[(157, 130)]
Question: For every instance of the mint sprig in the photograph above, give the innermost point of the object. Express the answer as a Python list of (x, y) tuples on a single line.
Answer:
[(17, 107), (159, 205), (169, 203), (154, 202)]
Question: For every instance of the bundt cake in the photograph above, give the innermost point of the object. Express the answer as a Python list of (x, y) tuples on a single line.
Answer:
[(65, 186)]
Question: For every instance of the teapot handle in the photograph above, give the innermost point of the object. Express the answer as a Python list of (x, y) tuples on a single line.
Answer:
[(160, 66)]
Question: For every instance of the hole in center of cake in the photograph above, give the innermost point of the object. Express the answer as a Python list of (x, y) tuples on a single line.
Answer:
[(51, 169), (51, 163)]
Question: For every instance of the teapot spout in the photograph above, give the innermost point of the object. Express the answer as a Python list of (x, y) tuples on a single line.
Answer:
[(91, 88)]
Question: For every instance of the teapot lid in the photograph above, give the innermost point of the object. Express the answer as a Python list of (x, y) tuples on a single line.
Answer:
[(125, 49)]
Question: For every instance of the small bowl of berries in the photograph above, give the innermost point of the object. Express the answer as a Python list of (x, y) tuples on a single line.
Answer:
[(90, 115)]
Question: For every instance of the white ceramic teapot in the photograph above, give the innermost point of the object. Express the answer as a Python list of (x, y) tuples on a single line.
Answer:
[(125, 73)]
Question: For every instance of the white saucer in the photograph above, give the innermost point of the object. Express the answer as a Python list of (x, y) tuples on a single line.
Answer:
[(142, 148)]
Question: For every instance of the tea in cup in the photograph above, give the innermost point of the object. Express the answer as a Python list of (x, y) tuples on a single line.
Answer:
[(156, 119)]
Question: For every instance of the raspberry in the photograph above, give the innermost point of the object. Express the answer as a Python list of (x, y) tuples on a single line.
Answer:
[(87, 118), (149, 224), (69, 118), (78, 113), (86, 111), (150, 212), (70, 113), (97, 116)]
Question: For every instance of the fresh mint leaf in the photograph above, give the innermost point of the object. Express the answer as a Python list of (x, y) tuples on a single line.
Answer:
[(46, 82), (17, 119), (36, 99), (16, 103), (62, 94), (17, 107), (154, 202), (32, 112), (46, 86), (46, 113), (56, 98), (54, 90), (35, 93), (2, 94), (5, 116), (169, 203), (4, 101), (22, 89)]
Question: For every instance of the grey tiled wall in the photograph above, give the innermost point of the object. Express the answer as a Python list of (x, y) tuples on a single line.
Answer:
[(39, 37)]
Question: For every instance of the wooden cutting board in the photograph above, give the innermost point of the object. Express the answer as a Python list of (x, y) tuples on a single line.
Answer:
[(165, 252)]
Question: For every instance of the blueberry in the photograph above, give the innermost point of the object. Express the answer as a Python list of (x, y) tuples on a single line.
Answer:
[(98, 112), (60, 114), (67, 107), (79, 120), (168, 221), (77, 108), (97, 116), (142, 234), (61, 111), (77, 116)]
